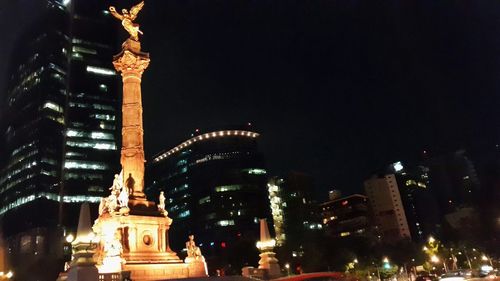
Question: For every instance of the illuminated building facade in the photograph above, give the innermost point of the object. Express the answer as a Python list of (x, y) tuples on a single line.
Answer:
[(295, 213), (419, 201), (388, 211), (59, 134), (277, 205), (346, 216), (215, 185), (403, 203)]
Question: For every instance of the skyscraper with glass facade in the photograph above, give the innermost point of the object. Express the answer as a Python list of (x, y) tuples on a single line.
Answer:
[(59, 131), (215, 185)]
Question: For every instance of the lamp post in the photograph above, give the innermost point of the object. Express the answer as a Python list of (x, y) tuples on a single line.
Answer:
[(287, 266), (486, 258), (436, 260)]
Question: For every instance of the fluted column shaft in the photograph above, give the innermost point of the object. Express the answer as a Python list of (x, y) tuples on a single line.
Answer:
[(131, 65)]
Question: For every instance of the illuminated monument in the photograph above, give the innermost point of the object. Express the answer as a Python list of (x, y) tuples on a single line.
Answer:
[(132, 231)]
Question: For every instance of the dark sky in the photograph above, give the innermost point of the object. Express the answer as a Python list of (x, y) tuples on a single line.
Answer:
[(336, 88)]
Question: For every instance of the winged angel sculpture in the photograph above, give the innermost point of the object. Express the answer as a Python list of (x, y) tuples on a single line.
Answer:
[(127, 19)]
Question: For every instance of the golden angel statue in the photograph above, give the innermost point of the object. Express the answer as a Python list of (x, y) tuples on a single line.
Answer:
[(127, 19)]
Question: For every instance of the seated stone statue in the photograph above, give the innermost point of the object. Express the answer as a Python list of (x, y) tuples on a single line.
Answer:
[(193, 251)]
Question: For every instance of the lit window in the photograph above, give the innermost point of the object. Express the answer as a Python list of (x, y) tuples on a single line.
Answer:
[(184, 214), (226, 188), (256, 171), (95, 145), (204, 200), (53, 106), (100, 70), (85, 165), (225, 222)]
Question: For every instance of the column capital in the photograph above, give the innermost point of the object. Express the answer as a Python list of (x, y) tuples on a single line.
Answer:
[(131, 62)]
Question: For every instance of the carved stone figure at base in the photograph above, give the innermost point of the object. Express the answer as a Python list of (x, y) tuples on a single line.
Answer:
[(193, 251)]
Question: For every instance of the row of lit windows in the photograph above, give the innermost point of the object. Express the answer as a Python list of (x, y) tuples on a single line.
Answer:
[(79, 49), (101, 145), (225, 222), (96, 135), (85, 165), (226, 188), (20, 158), (107, 117), (16, 182), (83, 176), (255, 171), (184, 214), (20, 169), (21, 148), (100, 70), (178, 189), (216, 156), (89, 43), (205, 200), (50, 196), (29, 81), (94, 106), (53, 106)]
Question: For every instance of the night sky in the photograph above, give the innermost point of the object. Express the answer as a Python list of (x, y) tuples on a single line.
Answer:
[(336, 88)]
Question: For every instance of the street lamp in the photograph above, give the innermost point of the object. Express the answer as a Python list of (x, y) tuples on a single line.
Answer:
[(435, 259), (485, 258), (287, 266), (70, 238)]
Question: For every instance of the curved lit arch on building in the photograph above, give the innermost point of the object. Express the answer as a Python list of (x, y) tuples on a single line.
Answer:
[(206, 136)]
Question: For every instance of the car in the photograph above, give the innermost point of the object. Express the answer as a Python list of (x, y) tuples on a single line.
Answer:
[(427, 277), (456, 275)]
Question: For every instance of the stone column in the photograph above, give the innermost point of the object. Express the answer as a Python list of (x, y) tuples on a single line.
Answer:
[(131, 63)]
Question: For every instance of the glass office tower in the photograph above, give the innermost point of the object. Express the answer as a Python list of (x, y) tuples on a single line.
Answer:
[(59, 131), (215, 185)]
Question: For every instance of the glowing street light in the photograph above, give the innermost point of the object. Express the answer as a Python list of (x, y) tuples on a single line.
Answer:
[(70, 238), (431, 239), (385, 260), (486, 258), (435, 259), (287, 266)]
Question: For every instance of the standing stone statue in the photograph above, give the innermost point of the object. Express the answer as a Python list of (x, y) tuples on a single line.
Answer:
[(161, 201), (123, 198)]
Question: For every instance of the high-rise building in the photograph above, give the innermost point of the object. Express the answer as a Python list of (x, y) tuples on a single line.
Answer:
[(421, 209), (401, 199), (295, 212), (456, 186), (215, 185), (454, 181), (388, 211), (346, 216), (59, 130)]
